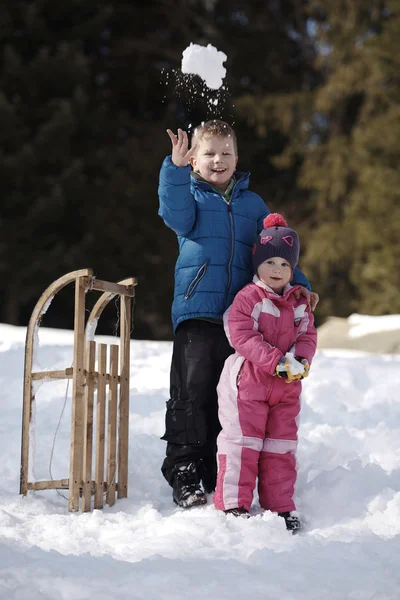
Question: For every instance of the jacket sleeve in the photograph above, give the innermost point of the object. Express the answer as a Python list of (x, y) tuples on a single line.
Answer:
[(177, 204), (263, 214), (300, 279), (241, 327), (305, 345)]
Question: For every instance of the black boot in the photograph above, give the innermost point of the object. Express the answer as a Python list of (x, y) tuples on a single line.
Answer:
[(238, 512), (186, 490), (292, 521), (207, 470)]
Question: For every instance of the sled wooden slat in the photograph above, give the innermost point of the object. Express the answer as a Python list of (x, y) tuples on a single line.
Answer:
[(78, 394), (60, 484), (114, 288), (100, 427), (53, 484), (65, 374), (112, 426), (88, 428), (123, 433)]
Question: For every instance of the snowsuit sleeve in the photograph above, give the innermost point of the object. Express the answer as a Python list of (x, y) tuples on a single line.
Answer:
[(177, 204), (241, 327), (306, 341)]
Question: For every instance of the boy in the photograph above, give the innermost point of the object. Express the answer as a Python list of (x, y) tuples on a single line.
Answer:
[(216, 218)]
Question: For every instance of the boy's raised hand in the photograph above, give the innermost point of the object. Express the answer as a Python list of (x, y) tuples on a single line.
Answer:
[(180, 148)]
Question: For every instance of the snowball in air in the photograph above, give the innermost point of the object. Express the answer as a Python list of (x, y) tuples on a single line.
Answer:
[(205, 61)]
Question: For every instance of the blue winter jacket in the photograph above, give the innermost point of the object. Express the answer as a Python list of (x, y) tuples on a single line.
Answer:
[(215, 241)]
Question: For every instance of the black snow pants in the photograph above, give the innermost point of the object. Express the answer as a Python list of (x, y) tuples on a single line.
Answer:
[(191, 424)]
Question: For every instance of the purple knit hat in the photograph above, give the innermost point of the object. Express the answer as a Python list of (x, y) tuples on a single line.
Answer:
[(276, 239)]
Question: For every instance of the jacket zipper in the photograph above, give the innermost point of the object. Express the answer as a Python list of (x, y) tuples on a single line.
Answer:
[(232, 251), (199, 276), (229, 203)]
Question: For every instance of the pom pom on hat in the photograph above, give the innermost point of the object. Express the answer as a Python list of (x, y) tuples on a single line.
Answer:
[(274, 220)]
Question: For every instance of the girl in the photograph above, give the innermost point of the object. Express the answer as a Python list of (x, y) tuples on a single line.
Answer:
[(274, 337)]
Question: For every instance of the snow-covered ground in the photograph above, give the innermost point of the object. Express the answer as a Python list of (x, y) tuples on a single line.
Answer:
[(146, 548)]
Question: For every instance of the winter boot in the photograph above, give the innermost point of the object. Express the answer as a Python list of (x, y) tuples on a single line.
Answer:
[(207, 471), (238, 512), (292, 521), (186, 490)]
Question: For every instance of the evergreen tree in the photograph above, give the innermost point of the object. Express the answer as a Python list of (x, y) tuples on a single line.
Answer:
[(343, 131), (84, 105), (351, 167), (87, 90), (43, 102)]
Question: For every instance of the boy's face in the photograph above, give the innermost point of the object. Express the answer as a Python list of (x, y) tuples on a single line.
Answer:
[(215, 160), (276, 273)]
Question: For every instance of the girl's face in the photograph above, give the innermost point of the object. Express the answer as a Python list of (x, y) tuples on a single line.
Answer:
[(215, 160), (276, 273)]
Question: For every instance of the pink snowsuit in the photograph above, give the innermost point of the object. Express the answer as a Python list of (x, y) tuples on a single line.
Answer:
[(258, 410)]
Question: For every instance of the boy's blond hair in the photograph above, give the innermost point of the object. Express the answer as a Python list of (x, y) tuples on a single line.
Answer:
[(212, 128)]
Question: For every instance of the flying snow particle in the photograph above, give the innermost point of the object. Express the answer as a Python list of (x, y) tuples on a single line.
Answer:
[(205, 61)]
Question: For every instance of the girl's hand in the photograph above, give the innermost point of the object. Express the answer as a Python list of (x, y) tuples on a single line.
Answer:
[(311, 297), (180, 148)]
